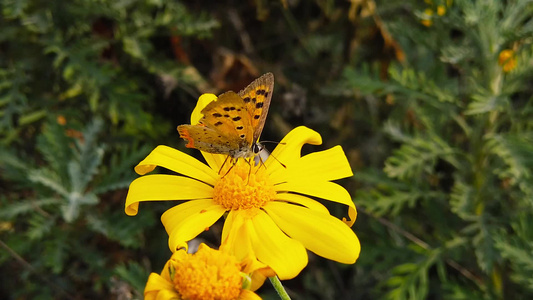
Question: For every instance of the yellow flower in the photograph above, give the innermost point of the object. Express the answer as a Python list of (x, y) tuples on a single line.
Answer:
[(269, 217), (507, 60), (207, 274), (441, 10), (426, 18)]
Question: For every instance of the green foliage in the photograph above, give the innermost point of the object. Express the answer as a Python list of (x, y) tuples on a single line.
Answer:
[(463, 162), (438, 128), (63, 215), (79, 83)]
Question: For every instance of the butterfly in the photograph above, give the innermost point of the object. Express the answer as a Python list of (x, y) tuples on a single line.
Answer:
[(232, 124)]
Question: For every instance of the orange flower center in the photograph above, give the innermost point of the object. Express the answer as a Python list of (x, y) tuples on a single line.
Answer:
[(208, 274), (245, 186)]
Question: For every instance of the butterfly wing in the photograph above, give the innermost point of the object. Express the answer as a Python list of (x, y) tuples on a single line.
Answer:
[(229, 116), (206, 139), (257, 97)]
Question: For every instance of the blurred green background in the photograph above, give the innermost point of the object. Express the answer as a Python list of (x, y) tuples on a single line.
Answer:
[(431, 101)]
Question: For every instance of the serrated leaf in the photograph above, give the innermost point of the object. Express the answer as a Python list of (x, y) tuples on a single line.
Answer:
[(484, 103), (485, 250), (381, 204), (39, 226), (516, 150), (49, 179), (24, 207), (462, 200)]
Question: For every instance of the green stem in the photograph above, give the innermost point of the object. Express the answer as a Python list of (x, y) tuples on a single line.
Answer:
[(279, 288)]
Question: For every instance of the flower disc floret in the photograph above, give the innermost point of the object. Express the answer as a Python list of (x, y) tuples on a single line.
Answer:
[(245, 186), (208, 274)]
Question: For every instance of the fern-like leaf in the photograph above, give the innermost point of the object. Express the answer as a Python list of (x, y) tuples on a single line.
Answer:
[(418, 156)]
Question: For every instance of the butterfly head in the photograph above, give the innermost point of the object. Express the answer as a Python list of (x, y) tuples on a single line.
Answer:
[(256, 148)]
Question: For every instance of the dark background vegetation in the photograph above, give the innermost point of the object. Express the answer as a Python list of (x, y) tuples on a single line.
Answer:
[(436, 122)]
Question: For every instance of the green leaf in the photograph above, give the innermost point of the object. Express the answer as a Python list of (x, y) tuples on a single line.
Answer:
[(134, 274), (417, 156), (23, 207), (49, 179), (462, 200)]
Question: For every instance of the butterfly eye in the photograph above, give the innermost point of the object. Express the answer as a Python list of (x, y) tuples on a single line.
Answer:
[(256, 148)]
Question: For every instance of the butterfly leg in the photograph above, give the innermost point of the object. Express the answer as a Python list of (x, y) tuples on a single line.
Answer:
[(223, 164), (261, 163), (233, 163), (249, 161)]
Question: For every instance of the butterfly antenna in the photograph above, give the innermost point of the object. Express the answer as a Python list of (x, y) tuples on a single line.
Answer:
[(273, 142), (282, 164), (263, 163), (270, 154)]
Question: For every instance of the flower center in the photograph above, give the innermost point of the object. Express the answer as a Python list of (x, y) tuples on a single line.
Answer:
[(208, 274), (245, 186)]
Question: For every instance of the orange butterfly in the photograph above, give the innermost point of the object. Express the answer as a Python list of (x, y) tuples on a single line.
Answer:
[(233, 123)]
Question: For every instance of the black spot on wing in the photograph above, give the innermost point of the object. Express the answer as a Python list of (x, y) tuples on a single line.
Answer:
[(237, 118), (255, 117), (246, 100), (259, 105), (217, 115), (243, 136), (239, 127), (218, 123)]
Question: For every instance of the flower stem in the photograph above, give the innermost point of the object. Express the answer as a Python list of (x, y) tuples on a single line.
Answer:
[(279, 288)]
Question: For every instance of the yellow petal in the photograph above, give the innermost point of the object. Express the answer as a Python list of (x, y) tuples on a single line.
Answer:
[(162, 188), (248, 295), (260, 237), (185, 221), (327, 165), (289, 149), (155, 285), (321, 233), (203, 101), (302, 200), (286, 256), (178, 162), (235, 237), (215, 161), (176, 257), (259, 277), (177, 214), (325, 190), (167, 295)]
